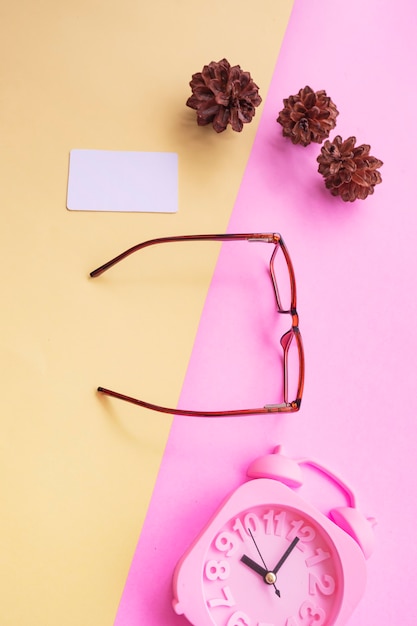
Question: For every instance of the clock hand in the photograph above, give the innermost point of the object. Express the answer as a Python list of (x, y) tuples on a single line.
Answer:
[(286, 555), (268, 576), (253, 565)]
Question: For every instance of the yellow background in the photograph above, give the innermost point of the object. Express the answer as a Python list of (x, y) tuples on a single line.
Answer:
[(77, 471)]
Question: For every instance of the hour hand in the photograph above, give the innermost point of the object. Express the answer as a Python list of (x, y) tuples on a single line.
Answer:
[(253, 565), (269, 577)]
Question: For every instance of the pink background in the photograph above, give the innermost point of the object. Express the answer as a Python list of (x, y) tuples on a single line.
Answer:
[(355, 270)]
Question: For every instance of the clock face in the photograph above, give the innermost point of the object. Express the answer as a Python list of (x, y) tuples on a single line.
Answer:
[(271, 565)]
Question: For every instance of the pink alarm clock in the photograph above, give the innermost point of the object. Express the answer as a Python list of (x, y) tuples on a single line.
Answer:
[(269, 558)]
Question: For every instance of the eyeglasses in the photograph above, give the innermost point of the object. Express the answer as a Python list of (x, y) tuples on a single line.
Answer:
[(284, 288)]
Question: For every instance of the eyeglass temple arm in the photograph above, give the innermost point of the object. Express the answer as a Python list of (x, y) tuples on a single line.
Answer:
[(263, 237), (268, 408)]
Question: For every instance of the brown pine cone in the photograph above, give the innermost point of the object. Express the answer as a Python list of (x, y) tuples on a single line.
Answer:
[(223, 95), (308, 116), (349, 172)]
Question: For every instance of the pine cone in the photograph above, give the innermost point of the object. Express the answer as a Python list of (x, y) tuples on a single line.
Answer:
[(223, 95), (308, 116), (349, 172)]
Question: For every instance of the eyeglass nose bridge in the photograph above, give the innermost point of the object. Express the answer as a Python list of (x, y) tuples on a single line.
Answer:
[(294, 315)]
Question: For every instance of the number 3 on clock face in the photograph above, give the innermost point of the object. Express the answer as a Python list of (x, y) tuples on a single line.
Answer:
[(268, 558)]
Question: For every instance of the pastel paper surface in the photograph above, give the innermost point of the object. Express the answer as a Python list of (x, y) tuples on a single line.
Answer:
[(112, 180), (355, 270), (81, 468)]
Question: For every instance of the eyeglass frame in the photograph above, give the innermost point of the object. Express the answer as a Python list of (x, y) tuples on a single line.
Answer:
[(284, 407)]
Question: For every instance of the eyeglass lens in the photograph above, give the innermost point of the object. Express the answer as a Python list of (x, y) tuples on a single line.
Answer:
[(285, 296)]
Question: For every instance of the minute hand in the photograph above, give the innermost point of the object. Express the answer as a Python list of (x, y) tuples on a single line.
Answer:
[(286, 555)]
